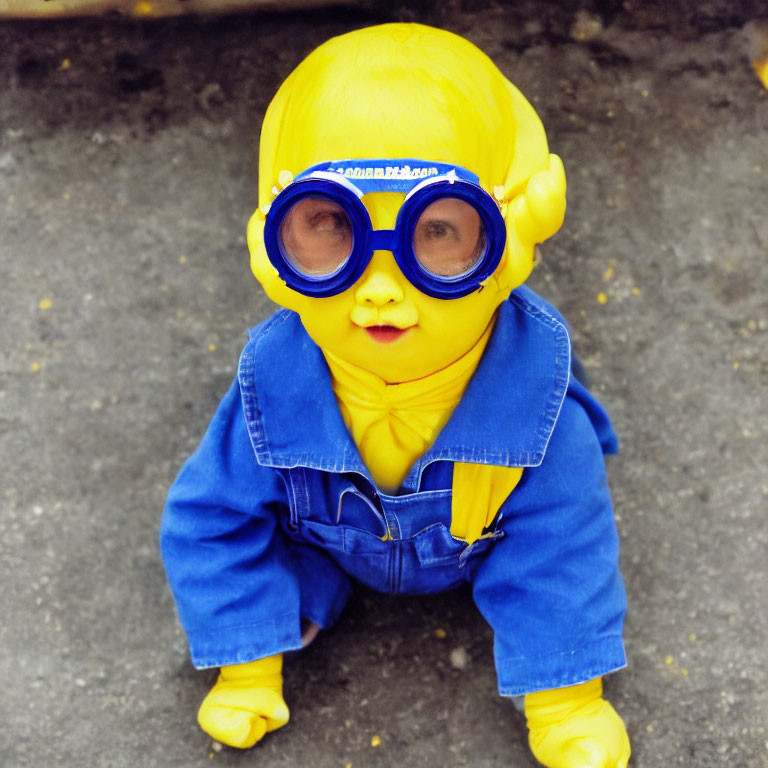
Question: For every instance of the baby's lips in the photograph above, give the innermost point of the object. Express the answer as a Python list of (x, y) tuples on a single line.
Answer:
[(385, 333)]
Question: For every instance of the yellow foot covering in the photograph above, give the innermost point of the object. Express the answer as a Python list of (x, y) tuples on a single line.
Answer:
[(576, 727), (246, 702)]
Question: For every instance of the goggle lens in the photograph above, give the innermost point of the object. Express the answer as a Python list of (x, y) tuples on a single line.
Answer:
[(316, 236), (449, 237)]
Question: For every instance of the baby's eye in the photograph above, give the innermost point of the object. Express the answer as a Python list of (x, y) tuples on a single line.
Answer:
[(436, 229), (328, 221)]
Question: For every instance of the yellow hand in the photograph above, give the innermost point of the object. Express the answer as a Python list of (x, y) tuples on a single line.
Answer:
[(576, 728), (246, 702)]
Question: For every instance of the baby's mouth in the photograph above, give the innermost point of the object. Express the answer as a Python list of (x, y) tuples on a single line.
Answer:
[(386, 334)]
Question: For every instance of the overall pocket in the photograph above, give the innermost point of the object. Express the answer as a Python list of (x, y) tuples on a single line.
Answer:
[(434, 546), (342, 538), (360, 554)]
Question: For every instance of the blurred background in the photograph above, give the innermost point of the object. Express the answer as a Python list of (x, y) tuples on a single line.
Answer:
[(128, 169)]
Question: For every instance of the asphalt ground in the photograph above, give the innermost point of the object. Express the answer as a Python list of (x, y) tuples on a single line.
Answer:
[(127, 175)]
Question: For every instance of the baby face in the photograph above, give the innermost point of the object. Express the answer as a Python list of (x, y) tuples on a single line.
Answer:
[(383, 323)]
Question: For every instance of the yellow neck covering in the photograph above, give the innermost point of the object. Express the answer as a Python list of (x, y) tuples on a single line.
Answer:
[(393, 424)]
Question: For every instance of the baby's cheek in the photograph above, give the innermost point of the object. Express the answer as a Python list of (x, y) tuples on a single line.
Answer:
[(326, 320)]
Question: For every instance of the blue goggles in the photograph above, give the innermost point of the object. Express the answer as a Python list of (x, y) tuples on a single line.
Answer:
[(449, 235)]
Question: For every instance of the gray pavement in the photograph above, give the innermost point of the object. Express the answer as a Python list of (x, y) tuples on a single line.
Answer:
[(127, 175)]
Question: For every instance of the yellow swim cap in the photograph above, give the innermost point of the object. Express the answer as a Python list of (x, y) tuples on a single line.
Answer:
[(402, 90)]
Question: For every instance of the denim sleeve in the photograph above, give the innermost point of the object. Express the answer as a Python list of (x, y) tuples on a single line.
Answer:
[(551, 588), (224, 553)]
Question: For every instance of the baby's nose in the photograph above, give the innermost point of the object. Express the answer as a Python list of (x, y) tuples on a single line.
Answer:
[(379, 287)]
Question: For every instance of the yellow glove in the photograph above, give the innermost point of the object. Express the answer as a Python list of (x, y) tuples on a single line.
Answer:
[(576, 728), (246, 702)]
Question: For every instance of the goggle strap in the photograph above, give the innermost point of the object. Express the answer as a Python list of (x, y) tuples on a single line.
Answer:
[(402, 175), (336, 179)]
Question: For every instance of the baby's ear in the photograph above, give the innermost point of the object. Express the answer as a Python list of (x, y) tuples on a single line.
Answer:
[(531, 217), (262, 267), (538, 212)]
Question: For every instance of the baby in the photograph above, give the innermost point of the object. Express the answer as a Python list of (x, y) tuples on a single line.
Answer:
[(410, 420)]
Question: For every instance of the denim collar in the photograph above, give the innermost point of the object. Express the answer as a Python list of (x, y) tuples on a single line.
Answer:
[(505, 418)]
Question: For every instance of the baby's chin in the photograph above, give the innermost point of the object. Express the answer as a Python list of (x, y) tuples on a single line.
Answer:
[(395, 360)]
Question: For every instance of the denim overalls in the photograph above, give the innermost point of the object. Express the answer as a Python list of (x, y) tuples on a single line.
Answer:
[(391, 543), (275, 514)]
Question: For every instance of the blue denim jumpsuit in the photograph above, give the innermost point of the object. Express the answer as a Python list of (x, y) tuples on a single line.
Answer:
[(275, 513)]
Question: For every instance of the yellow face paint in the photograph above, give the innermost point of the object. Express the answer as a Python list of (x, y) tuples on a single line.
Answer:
[(385, 325), (422, 93)]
